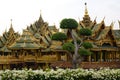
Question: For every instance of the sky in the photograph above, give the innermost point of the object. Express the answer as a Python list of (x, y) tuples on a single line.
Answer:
[(25, 12)]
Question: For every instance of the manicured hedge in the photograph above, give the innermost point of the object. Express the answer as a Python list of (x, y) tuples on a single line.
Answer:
[(61, 74)]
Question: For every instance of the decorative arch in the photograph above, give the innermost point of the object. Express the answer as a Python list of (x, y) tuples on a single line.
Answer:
[(107, 44)]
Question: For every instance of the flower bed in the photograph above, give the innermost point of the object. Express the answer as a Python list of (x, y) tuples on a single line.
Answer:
[(61, 74)]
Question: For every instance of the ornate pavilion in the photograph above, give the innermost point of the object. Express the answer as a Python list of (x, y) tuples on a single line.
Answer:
[(35, 49)]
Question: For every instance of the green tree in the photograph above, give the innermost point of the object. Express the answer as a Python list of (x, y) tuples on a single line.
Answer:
[(75, 45)]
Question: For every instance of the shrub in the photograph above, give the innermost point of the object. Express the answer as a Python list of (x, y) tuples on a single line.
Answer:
[(85, 32), (68, 46), (68, 23), (87, 45), (61, 74), (59, 36), (84, 52)]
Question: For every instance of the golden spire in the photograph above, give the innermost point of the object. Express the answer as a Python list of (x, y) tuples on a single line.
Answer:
[(40, 12), (86, 11), (40, 18), (11, 27), (11, 23)]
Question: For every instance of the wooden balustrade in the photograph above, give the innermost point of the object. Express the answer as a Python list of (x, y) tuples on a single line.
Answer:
[(13, 59), (47, 58), (87, 65), (98, 65)]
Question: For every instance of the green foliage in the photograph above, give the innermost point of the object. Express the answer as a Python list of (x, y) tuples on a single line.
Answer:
[(78, 41), (68, 24), (68, 46), (84, 52), (85, 32), (59, 36), (87, 45)]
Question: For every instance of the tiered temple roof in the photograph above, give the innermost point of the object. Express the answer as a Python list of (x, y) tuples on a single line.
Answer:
[(26, 41)]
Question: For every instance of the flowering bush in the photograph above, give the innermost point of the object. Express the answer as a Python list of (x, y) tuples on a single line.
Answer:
[(61, 74)]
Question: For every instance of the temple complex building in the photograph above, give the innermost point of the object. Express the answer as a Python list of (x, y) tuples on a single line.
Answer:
[(35, 48)]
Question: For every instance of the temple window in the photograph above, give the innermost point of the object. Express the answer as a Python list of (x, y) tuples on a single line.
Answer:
[(106, 45)]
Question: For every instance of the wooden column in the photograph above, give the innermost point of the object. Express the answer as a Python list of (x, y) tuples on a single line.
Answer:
[(89, 58), (101, 55), (108, 56), (115, 56), (119, 56), (58, 56), (7, 66), (112, 56), (68, 58), (95, 57), (1, 67), (39, 52)]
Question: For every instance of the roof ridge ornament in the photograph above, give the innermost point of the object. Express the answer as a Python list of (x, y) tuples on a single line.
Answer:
[(119, 23), (103, 18), (112, 25)]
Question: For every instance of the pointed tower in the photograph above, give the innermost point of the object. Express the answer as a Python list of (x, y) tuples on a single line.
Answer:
[(11, 30), (86, 19), (40, 18), (40, 21), (11, 35)]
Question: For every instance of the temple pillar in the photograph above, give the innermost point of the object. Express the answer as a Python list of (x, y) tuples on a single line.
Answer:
[(0, 66), (119, 56), (39, 52), (5, 66), (8, 66), (68, 58), (58, 56), (95, 57), (115, 56), (108, 56), (101, 55), (112, 56), (89, 58)]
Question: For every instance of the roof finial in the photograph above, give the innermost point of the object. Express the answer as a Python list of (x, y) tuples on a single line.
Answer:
[(11, 20), (11, 23), (79, 19), (86, 11), (103, 19), (95, 19), (119, 23), (112, 25), (54, 23), (40, 18), (40, 12)]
